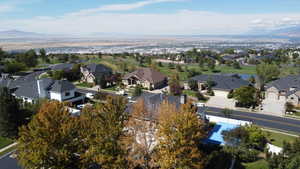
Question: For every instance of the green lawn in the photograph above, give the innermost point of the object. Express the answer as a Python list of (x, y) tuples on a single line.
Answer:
[(190, 93), (260, 164), (219, 69), (5, 142), (84, 84), (278, 138)]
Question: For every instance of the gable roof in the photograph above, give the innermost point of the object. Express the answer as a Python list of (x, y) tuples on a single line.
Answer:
[(62, 86), (223, 82), (147, 74), (62, 66), (285, 83), (28, 90)]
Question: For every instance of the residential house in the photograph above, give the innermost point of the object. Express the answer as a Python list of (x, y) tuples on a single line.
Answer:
[(223, 84), (286, 89), (46, 88), (147, 78), (154, 100), (5, 80), (92, 72)]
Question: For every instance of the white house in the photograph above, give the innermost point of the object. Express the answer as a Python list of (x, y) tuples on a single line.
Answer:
[(46, 88)]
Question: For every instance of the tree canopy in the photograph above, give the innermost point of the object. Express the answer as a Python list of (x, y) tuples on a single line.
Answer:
[(11, 116), (179, 135)]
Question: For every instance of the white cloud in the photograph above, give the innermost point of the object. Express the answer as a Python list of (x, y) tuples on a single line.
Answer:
[(6, 8), (181, 22), (119, 7)]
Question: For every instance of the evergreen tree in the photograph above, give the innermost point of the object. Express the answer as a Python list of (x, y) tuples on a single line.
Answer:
[(11, 117)]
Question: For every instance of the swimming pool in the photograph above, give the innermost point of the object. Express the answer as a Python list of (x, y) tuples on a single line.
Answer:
[(216, 136)]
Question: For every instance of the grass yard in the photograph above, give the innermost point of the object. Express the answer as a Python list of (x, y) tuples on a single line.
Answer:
[(84, 84), (190, 93), (219, 69), (5, 142), (278, 138), (260, 164)]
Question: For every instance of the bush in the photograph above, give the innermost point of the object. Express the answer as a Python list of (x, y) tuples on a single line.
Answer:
[(200, 96), (230, 95), (289, 107), (210, 92), (193, 85), (138, 90)]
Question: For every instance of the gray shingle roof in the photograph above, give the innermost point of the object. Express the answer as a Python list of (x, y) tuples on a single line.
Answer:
[(147, 74), (98, 68), (62, 66), (285, 83), (28, 90), (62, 86), (153, 101), (222, 82)]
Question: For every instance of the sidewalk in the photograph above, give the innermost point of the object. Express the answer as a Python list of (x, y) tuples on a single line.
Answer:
[(8, 147)]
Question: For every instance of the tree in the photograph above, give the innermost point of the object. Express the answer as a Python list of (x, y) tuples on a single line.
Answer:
[(58, 74), (211, 64), (100, 55), (288, 158), (179, 68), (266, 72), (257, 138), (103, 130), (192, 73), (245, 96), (236, 65), (43, 55), (174, 84), (14, 67), (11, 116), (179, 134), (193, 84), (2, 55), (101, 81), (138, 90), (141, 142), (160, 64), (29, 58), (229, 51), (51, 140)]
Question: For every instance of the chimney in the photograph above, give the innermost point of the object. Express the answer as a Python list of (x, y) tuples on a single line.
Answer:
[(41, 88), (183, 99), (4, 75)]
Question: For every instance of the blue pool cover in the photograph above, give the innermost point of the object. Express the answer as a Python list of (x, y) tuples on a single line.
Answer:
[(215, 136)]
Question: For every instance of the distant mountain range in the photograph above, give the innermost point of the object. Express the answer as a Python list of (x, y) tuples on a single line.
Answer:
[(289, 32), (19, 34)]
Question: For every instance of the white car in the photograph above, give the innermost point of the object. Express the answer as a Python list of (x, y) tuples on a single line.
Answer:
[(90, 95), (200, 104)]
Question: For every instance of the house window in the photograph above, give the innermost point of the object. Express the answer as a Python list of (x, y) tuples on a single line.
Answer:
[(67, 94), (292, 98)]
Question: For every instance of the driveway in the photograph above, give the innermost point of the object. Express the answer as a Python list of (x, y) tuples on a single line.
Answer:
[(221, 102), (273, 107)]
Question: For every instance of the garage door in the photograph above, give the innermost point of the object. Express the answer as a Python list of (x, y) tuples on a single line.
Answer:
[(221, 93), (272, 96)]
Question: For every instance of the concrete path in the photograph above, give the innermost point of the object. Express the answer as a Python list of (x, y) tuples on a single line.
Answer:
[(8, 147)]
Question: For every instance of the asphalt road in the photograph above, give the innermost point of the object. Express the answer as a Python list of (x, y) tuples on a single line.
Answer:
[(274, 122), (6, 162)]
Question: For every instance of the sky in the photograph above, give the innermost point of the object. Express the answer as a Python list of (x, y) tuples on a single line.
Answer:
[(148, 17)]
